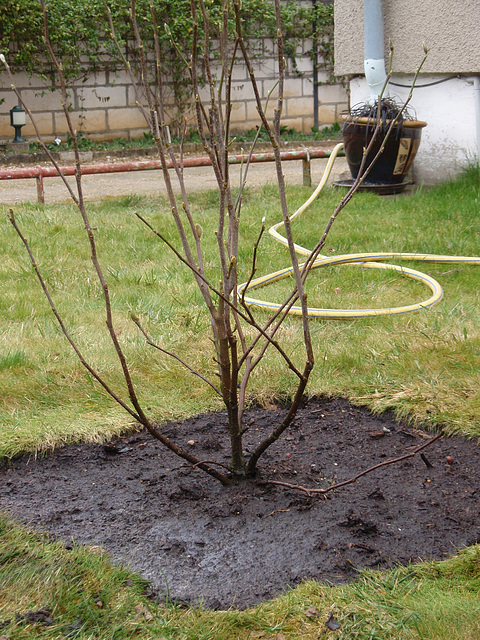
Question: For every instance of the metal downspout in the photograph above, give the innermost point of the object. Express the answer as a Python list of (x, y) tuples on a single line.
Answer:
[(374, 47)]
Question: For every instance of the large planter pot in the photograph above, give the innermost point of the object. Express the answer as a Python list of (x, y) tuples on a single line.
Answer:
[(395, 160)]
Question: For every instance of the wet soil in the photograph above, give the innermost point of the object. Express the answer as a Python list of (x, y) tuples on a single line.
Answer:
[(239, 545)]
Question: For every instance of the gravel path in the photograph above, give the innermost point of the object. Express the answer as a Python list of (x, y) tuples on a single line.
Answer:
[(98, 187)]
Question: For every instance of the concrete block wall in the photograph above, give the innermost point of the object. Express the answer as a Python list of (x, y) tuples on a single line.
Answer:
[(104, 103)]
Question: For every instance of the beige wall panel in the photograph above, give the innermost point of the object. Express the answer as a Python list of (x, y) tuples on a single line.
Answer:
[(102, 97), (6, 130), (300, 124), (21, 79), (10, 100), (240, 73), (44, 122), (98, 79), (293, 88), (93, 121), (327, 114), (242, 91), (132, 96), (265, 68), (118, 77), (126, 119), (303, 65), (341, 108), (37, 100), (252, 113), (298, 107), (332, 93), (238, 112), (449, 29)]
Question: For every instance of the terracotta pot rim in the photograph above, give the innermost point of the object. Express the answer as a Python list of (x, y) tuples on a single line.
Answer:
[(363, 120)]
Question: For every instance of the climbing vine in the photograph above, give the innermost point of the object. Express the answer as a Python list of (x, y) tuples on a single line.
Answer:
[(81, 36), (80, 32)]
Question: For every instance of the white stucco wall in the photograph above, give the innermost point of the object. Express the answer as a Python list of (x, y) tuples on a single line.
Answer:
[(450, 30), (449, 141)]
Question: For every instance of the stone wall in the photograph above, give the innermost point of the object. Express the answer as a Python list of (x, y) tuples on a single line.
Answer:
[(104, 103)]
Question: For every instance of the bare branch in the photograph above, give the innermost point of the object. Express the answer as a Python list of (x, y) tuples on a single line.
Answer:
[(254, 266), (172, 355), (338, 485), (62, 325), (221, 296)]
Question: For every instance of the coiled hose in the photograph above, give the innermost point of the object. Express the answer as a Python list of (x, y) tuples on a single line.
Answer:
[(362, 260)]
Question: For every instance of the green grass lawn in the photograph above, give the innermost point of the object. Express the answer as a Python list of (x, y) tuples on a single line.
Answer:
[(424, 366)]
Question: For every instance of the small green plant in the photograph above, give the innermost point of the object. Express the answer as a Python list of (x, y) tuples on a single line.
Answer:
[(83, 142), (333, 131), (240, 339), (147, 141)]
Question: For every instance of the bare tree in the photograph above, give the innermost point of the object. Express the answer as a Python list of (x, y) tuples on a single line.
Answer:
[(228, 313), (238, 352)]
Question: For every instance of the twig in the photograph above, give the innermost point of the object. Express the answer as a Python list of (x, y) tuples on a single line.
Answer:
[(254, 267), (59, 319), (140, 416), (172, 355), (338, 485), (427, 462), (221, 296), (277, 511)]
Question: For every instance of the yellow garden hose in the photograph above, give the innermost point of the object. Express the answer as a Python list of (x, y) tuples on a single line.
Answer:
[(363, 260)]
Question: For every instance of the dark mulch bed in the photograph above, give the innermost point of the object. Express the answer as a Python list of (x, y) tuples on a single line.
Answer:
[(242, 544)]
